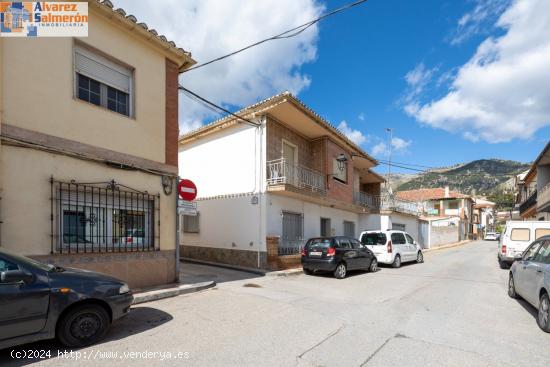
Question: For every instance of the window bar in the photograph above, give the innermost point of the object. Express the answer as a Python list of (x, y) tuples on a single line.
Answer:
[(105, 216), (77, 220), (85, 220), (142, 224), (119, 239), (132, 224), (51, 215), (69, 212), (60, 215), (113, 213)]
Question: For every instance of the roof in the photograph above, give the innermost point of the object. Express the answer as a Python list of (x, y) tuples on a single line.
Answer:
[(265, 105), (141, 28), (429, 194), (482, 203)]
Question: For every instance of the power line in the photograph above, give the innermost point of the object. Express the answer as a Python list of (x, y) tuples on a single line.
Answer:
[(214, 107), (286, 34), (444, 173)]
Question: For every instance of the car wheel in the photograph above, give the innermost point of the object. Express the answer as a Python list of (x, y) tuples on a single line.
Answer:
[(83, 325), (419, 257), (502, 264), (340, 271), (373, 266), (512, 287), (308, 271), (396, 262), (543, 318)]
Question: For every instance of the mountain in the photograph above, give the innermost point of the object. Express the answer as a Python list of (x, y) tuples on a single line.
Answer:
[(481, 177)]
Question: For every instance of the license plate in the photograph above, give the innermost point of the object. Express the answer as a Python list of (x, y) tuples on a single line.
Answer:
[(315, 253)]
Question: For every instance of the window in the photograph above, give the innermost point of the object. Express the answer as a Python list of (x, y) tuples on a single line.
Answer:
[(453, 205), (409, 238), (325, 227), (356, 244), (399, 227), (520, 234), (540, 232), (374, 238), (543, 255), (103, 82), (398, 239), (191, 223), (344, 243), (349, 229), (6, 265), (531, 251), (293, 233), (340, 170)]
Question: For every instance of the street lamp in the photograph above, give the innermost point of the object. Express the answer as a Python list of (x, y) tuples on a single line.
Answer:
[(390, 141)]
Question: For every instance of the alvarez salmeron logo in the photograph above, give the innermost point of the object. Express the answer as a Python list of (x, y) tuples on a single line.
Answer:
[(43, 19)]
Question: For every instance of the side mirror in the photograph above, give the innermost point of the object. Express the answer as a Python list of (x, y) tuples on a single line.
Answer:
[(518, 257), (15, 276)]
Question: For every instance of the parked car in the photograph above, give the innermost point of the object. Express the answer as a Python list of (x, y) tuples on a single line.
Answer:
[(42, 301), (490, 236), (517, 235), (392, 247), (337, 255), (530, 279), (134, 237)]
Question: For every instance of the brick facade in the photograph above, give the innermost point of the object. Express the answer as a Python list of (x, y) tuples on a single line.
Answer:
[(171, 115), (336, 189), (276, 132)]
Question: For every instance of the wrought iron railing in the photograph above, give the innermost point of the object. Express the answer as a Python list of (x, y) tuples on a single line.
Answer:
[(102, 217), (529, 202), (280, 171), (366, 200), (543, 197), (390, 202)]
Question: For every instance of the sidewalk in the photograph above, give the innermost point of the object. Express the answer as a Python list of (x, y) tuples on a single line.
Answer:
[(428, 250), (260, 272), (169, 290)]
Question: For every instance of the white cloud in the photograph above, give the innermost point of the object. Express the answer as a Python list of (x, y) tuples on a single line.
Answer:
[(355, 136), (417, 79), (503, 91), (478, 20), (361, 116), (211, 28), (399, 146)]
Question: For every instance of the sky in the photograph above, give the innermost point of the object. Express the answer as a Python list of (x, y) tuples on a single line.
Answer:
[(455, 80)]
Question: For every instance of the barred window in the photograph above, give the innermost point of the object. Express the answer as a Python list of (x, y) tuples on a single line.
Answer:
[(191, 223)]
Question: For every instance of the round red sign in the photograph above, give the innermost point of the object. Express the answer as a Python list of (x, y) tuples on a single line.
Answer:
[(187, 190)]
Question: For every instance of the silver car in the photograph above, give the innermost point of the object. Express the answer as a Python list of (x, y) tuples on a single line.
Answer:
[(530, 279)]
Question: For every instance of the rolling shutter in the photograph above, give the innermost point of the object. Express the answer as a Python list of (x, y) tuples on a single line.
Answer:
[(103, 70)]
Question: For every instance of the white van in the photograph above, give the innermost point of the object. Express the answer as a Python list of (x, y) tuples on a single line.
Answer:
[(517, 236), (392, 247)]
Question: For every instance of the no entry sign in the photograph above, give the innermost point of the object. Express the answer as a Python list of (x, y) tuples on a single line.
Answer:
[(187, 190)]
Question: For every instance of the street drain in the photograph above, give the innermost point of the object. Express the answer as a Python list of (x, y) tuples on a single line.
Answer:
[(252, 285)]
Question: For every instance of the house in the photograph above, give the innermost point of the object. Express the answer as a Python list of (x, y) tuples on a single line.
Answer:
[(271, 180), (89, 131), (443, 203), (484, 217), (534, 195)]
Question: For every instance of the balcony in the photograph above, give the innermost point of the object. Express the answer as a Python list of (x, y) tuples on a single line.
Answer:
[(390, 202), (527, 204), (281, 172), (366, 200), (543, 199)]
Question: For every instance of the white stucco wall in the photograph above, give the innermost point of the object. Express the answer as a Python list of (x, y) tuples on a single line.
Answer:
[(227, 162), (411, 223)]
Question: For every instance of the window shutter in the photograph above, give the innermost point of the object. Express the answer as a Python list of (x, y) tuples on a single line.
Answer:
[(103, 70)]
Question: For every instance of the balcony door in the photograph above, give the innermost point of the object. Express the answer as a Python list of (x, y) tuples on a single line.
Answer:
[(290, 155)]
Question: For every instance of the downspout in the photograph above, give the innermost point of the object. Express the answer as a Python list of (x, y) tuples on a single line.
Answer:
[(260, 186), (177, 235)]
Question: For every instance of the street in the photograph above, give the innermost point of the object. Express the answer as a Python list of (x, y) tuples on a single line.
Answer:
[(453, 310)]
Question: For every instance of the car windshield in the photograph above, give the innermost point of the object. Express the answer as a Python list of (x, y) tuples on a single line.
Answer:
[(318, 243), (373, 238), (29, 262)]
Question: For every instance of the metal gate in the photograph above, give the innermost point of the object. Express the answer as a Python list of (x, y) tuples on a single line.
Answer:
[(292, 239)]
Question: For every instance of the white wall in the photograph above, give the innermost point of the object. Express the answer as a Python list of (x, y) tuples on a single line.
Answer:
[(312, 213), (227, 162), (411, 223), (230, 223)]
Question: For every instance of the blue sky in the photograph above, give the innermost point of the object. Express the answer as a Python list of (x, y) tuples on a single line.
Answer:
[(456, 80)]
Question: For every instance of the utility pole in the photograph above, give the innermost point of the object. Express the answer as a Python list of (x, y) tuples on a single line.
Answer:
[(390, 141)]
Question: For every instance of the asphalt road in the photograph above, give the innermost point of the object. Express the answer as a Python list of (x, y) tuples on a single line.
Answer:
[(453, 310)]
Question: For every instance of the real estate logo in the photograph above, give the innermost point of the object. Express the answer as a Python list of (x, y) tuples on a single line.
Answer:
[(43, 19)]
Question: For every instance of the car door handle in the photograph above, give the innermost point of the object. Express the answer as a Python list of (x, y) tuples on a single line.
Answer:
[(539, 271)]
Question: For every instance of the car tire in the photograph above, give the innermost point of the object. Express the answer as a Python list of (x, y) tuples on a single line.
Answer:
[(543, 317), (419, 257), (83, 325), (502, 264), (373, 267), (307, 271), (396, 261), (512, 287), (341, 271)]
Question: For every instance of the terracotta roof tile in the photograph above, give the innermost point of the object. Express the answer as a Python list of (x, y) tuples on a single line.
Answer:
[(428, 194)]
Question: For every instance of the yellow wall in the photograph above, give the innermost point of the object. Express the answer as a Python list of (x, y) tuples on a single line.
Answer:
[(26, 200), (40, 82)]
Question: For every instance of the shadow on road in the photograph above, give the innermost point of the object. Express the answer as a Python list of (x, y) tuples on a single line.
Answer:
[(139, 319), (529, 308)]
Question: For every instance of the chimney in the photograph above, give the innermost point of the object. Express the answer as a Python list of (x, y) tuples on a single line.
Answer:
[(446, 191)]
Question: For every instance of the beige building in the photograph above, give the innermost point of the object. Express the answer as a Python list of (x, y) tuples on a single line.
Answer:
[(88, 150)]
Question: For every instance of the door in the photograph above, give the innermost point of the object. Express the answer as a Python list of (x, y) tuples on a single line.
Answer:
[(290, 155), (523, 274), (325, 227), (364, 256), (349, 229), (399, 245), (23, 306), (292, 239), (534, 273), (411, 247), (349, 255)]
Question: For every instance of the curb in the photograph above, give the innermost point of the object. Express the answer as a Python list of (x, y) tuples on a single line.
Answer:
[(154, 295), (285, 273), (456, 244), (225, 266)]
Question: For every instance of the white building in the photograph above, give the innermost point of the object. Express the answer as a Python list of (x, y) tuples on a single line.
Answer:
[(267, 184)]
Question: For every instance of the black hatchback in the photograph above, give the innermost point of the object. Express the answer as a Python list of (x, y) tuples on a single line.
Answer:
[(42, 301), (337, 255)]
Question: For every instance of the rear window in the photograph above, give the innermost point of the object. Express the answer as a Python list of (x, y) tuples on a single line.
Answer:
[(398, 239), (520, 234), (375, 238), (540, 232), (318, 243)]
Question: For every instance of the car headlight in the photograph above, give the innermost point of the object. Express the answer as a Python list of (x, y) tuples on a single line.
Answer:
[(124, 289)]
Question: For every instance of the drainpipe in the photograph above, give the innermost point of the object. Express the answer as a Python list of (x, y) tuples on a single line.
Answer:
[(260, 186), (177, 235)]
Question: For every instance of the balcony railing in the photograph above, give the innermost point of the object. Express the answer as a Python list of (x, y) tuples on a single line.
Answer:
[(390, 202), (366, 200), (543, 199), (531, 200), (281, 172)]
